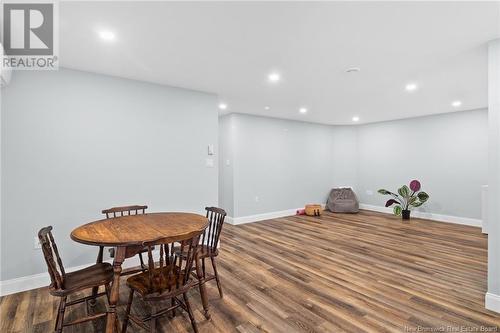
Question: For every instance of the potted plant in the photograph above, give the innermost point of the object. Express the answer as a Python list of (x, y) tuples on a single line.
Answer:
[(407, 198)]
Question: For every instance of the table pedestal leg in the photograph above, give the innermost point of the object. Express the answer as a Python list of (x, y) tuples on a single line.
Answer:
[(115, 290), (203, 290)]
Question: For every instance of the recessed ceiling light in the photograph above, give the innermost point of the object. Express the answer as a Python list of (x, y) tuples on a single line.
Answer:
[(303, 110), (456, 104), (353, 70), (274, 77), (107, 35), (223, 106), (267, 108), (411, 87), (355, 118)]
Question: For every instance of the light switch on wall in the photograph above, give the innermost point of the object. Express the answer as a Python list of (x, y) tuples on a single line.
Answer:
[(211, 150), (209, 162)]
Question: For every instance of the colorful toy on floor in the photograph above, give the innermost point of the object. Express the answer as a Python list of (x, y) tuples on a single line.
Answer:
[(313, 210), (301, 212)]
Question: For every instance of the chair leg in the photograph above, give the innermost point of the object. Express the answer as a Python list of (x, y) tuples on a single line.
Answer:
[(60, 315), (90, 306), (152, 325), (107, 287), (203, 268), (173, 310), (201, 286), (190, 313), (143, 266), (95, 290), (127, 312), (216, 276)]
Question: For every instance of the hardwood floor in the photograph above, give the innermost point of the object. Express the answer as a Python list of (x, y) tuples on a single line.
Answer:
[(338, 273)]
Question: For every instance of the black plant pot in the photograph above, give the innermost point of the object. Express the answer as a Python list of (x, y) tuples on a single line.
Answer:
[(406, 214)]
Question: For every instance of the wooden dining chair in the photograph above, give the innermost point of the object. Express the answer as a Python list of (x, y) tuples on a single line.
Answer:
[(65, 284), (170, 280), (209, 243), (118, 212)]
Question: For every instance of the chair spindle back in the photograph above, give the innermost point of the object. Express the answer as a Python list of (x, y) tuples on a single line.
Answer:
[(124, 211), (52, 258), (175, 263), (211, 235)]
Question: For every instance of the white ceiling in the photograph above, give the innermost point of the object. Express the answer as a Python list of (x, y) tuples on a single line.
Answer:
[(229, 48)]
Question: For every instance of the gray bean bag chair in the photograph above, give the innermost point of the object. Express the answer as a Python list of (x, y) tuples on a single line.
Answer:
[(342, 200)]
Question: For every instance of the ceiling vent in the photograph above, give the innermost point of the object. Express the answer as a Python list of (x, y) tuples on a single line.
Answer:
[(353, 70)]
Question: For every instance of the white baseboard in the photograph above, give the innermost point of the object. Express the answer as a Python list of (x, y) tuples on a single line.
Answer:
[(492, 302), (35, 281), (417, 214), (428, 216), (261, 217)]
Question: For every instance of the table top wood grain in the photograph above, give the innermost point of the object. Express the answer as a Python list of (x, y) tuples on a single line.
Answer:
[(136, 229)]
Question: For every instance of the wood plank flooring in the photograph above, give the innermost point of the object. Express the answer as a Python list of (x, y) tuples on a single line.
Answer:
[(338, 273)]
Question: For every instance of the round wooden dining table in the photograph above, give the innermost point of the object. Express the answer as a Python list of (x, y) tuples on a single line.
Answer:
[(127, 233)]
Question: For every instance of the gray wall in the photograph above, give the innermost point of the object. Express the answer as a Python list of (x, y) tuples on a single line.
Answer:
[(74, 143), (345, 154), (226, 198), (287, 164), (281, 164), (447, 153), (494, 170)]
